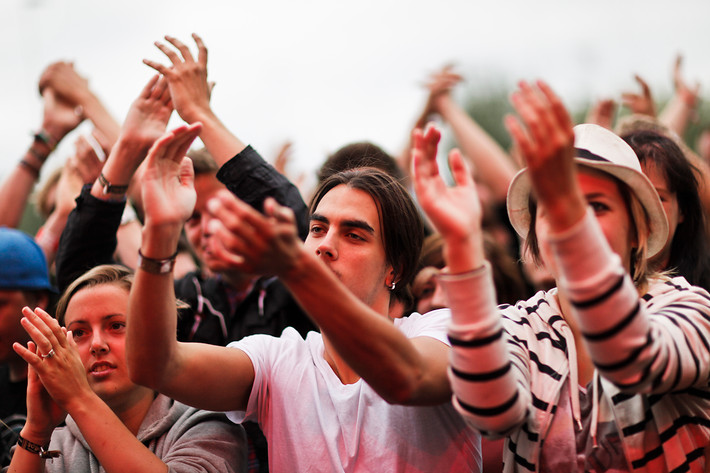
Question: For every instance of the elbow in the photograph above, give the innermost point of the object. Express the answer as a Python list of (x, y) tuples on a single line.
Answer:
[(143, 373)]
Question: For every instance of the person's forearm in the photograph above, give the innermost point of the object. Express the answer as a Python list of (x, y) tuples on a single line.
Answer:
[(490, 161), (24, 461), (369, 343), (120, 166), (218, 140), (152, 312), (489, 390), (48, 236), (676, 115), (113, 445), (17, 186), (102, 119)]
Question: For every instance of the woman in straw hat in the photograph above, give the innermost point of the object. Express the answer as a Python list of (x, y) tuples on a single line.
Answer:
[(609, 370)]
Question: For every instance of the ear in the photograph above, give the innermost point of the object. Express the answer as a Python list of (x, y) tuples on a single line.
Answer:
[(391, 277)]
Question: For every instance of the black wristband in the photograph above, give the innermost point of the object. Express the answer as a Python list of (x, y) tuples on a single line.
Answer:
[(36, 449), (111, 188), (156, 266)]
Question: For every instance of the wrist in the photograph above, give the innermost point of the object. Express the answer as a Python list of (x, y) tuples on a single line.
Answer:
[(159, 241), (464, 254), (36, 434)]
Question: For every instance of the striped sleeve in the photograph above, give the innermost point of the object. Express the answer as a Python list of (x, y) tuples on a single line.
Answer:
[(640, 347), (485, 382)]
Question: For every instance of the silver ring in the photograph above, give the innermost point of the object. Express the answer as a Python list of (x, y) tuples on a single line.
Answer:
[(48, 355)]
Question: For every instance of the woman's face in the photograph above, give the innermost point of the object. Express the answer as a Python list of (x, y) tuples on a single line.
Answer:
[(611, 210), (670, 206), (96, 316), (427, 293)]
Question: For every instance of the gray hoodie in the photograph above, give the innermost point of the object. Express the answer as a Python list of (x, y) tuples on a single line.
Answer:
[(185, 438)]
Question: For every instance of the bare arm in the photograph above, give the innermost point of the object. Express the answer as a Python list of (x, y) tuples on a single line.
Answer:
[(680, 109), (58, 120), (205, 376)]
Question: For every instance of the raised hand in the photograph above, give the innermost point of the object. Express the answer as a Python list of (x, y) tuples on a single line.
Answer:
[(254, 243), (440, 84), (149, 114), (56, 360), (60, 116), (602, 113), (43, 414), (63, 79), (86, 163), (687, 93), (187, 78), (640, 103), (454, 211), (545, 137), (167, 182)]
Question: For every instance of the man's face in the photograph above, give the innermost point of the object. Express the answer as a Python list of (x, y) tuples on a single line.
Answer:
[(344, 231), (206, 186), (11, 304)]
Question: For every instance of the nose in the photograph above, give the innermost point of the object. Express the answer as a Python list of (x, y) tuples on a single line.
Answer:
[(327, 248), (98, 343), (438, 300)]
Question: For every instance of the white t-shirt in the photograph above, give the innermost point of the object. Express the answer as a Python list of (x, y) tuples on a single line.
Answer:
[(313, 422)]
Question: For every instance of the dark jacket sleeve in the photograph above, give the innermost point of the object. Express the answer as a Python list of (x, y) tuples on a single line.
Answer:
[(252, 179), (89, 238)]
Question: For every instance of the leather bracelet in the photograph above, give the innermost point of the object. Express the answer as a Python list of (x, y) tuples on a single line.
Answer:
[(111, 188), (156, 266), (36, 449), (30, 167), (43, 136)]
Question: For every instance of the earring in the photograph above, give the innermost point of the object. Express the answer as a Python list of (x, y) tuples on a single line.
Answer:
[(393, 286)]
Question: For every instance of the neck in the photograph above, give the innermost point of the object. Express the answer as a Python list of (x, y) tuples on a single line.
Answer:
[(585, 366), (342, 370), (133, 411)]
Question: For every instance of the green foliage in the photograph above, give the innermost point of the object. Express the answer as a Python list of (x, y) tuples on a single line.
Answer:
[(488, 103)]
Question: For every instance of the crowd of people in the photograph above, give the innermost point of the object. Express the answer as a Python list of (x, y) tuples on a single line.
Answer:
[(184, 309)]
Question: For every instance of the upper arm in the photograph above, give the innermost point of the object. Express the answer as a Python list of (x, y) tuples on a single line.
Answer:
[(433, 384), (212, 444), (209, 377)]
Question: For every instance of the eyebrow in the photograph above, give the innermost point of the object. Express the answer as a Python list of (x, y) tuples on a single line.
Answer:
[(348, 223), (108, 317)]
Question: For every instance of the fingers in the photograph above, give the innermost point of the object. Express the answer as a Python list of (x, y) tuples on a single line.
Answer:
[(281, 213), (646, 90), (172, 55), (201, 50), (156, 65), (424, 150), (148, 88), (460, 169), (43, 329), (186, 55), (174, 144)]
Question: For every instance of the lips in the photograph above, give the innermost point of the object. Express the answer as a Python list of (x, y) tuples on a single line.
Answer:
[(101, 368)]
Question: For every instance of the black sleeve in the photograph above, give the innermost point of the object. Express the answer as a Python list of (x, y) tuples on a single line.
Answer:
[(89, 238), (252, 179)]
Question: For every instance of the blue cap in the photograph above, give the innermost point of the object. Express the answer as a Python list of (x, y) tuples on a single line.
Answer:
[(22, 262)]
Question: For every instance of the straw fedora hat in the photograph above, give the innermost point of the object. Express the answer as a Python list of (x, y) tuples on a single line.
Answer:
[(598, 148)]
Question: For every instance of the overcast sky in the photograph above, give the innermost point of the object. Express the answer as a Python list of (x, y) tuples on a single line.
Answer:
[(324, 73)]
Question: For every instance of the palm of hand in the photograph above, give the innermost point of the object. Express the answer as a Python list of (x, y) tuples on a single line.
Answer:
[(166, 198), (146, 120)]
